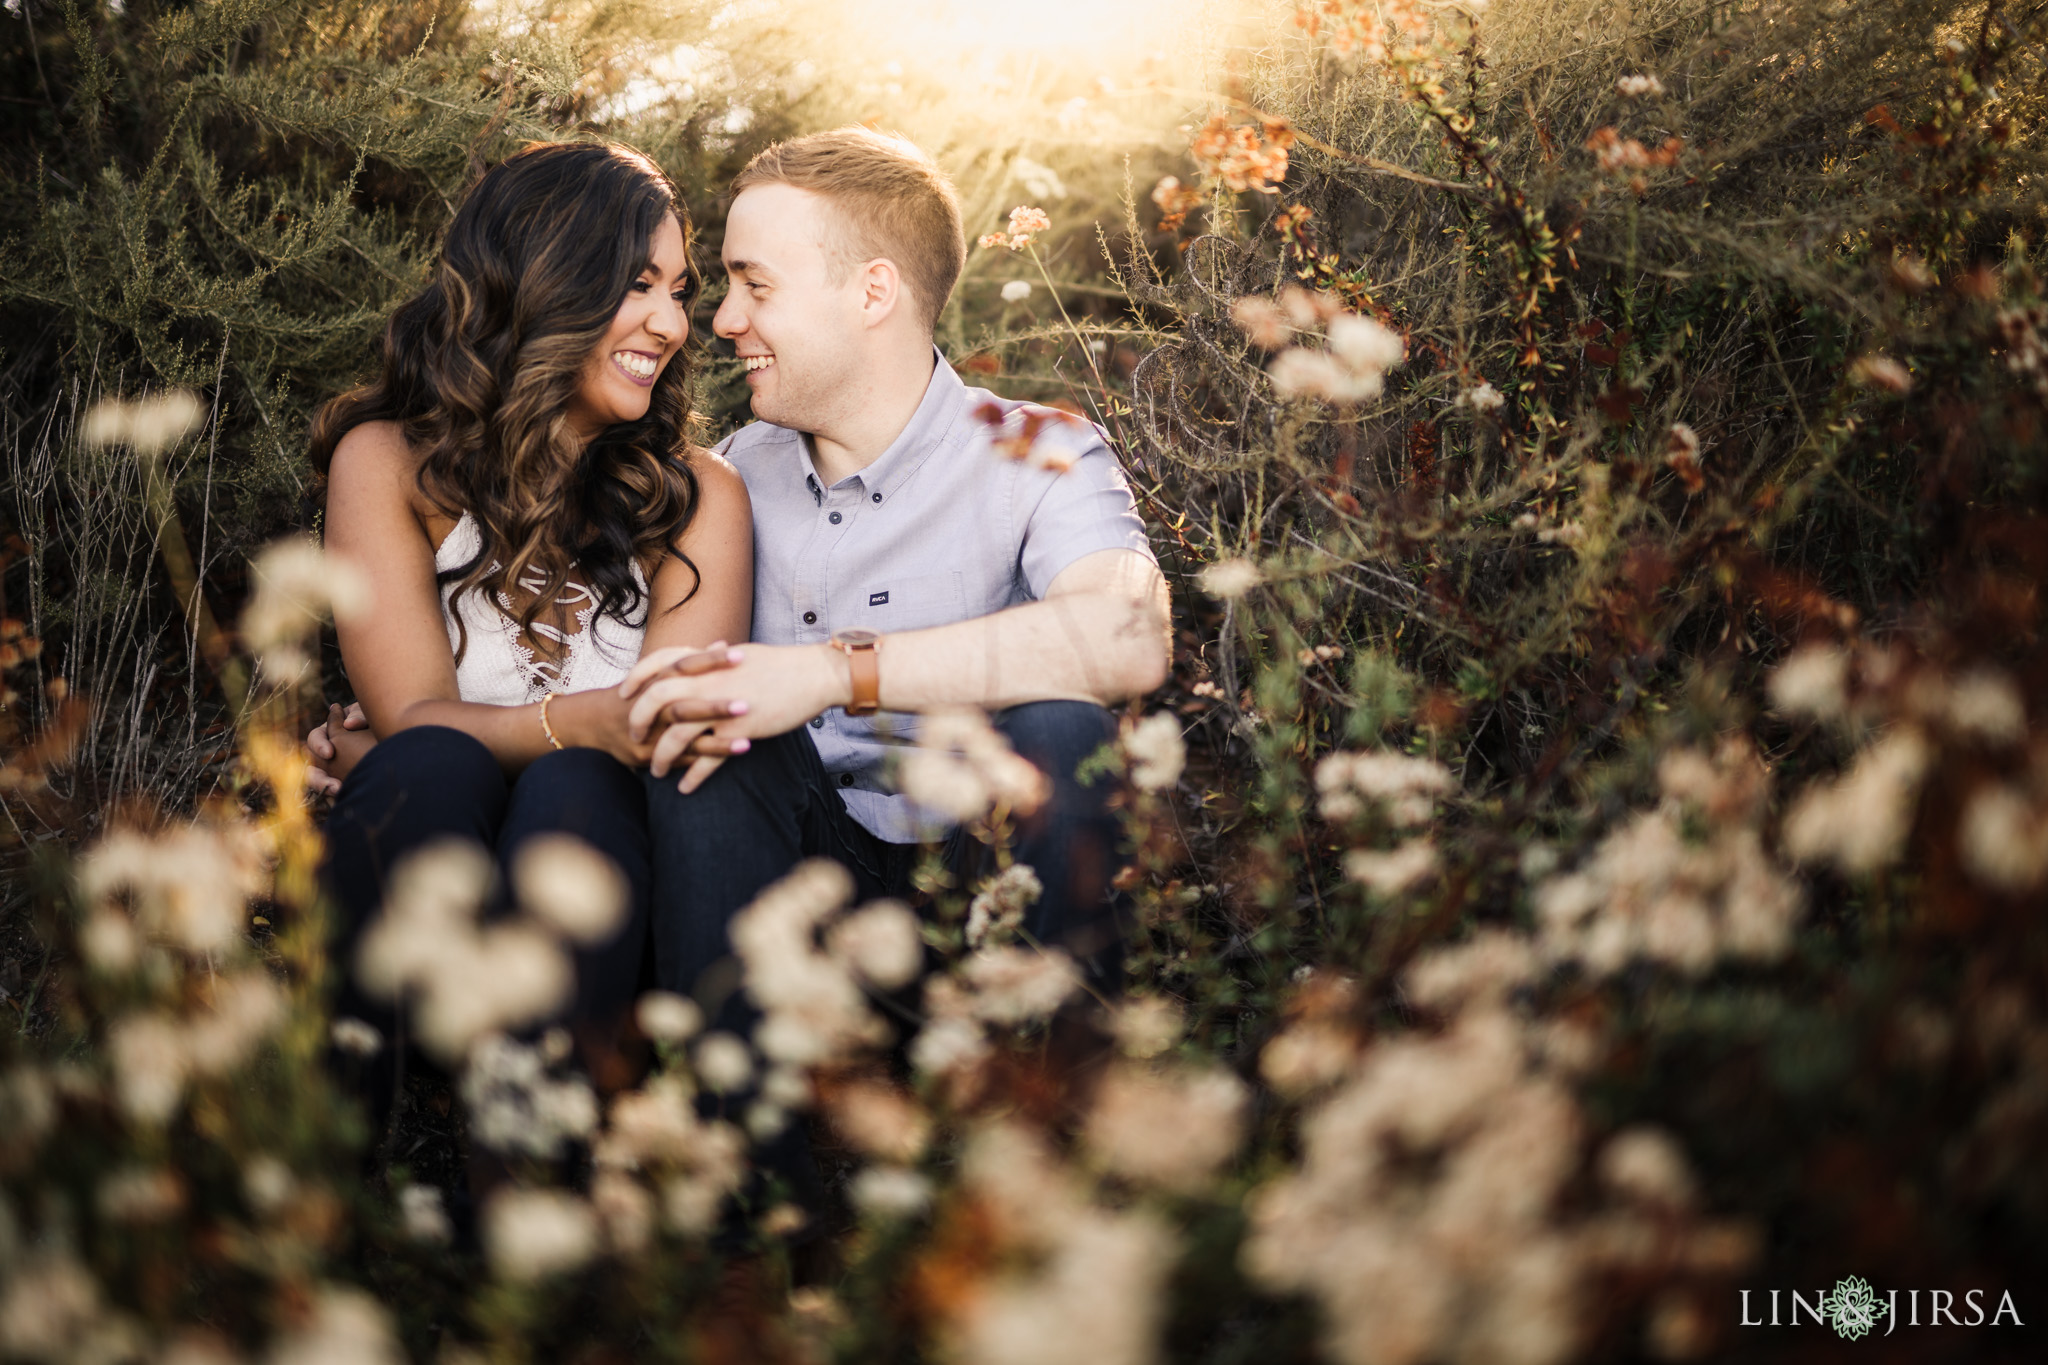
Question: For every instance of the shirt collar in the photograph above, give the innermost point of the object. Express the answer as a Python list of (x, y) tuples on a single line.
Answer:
[(938, 413)]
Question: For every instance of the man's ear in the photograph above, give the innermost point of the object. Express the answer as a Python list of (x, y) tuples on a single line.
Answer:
[(881, 291)]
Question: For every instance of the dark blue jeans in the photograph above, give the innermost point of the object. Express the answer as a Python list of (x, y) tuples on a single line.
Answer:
[(432, 783), (762, 812)]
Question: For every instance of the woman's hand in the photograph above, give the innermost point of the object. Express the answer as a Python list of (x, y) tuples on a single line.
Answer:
[(337, 745), (601, 718)]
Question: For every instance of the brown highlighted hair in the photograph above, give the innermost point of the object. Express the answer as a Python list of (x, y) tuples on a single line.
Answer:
[(480, 366), (896, 201)]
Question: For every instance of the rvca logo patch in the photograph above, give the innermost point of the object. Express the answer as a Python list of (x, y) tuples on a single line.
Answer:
[(878, 599)]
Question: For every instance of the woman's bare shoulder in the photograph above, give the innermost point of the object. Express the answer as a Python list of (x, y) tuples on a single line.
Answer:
[(376, 459), (719, 486)]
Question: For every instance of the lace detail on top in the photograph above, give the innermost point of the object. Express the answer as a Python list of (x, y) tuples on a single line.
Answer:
[(500, 669)]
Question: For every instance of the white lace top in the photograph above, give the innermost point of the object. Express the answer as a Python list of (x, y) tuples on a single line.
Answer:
[(499, 668)]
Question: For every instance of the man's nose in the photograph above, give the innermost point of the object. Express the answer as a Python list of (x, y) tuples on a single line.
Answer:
[(728, 322)]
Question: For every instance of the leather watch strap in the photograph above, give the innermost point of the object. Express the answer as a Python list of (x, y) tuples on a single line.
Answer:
[(862, 649)]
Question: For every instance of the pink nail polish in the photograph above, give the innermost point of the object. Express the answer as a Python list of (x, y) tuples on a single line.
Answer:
[(740, 746), (739, 708)]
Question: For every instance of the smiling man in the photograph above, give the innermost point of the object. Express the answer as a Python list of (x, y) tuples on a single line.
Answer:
[(903, 563)]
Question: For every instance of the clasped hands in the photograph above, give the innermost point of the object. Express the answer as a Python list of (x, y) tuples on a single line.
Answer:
[(679, 703)]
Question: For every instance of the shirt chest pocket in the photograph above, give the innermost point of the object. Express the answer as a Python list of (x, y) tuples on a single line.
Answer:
[(909, 602)]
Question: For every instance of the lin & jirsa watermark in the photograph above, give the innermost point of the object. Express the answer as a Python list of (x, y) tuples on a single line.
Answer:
[(1854, 1309)]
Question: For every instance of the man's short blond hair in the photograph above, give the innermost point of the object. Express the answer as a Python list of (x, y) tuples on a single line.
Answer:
[(896, 204)]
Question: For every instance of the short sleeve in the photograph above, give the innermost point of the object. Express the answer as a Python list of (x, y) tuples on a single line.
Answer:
[(1076, 512)]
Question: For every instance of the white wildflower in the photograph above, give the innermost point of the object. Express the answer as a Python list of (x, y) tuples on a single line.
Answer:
[(723, 1062), (997, 911), (625, 1210), (1812, 682), (1403, 787), (1365, 345), (1169, 1129), (108, 941), (296, 585), (947, 1045), (961, 767), (346, 1327), (424, 1216), (149, 426), (267, 1183), (189, 885), (1482, 398), (1017, 985), (353, 1036), (516, 1107), (1881, 372), (1987, 704), (1860, 822), (150, 1065), (881, 1121), (1646, 1165), (570, 887), (140, 1194), (890, 1192), (1636, 87), (1227, 579), (667, 1017), (1391, 873), (531, 1234), (1485, 967), (2003, 838), (1147, 1025), (1016, 291), (880, 942), (1157, 752)]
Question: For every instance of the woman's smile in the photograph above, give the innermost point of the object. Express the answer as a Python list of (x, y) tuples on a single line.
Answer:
[(638, 366)]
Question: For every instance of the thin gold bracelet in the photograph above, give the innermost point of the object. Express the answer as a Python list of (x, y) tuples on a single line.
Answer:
[(546, 728)]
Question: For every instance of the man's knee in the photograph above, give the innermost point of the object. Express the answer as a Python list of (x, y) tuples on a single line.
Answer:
[(578, 772), (768, 777), (1057, 736)]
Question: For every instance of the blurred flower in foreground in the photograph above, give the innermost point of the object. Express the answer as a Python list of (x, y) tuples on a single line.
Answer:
[(1176, 201), (962, 767), (813, 1007), (667, 1017), (1263, 320), (1244, 157), (1230, 578), (188, 886), (1157, 752), (570, 887), (1172, 1129), (1881, 372), (530, 1234), (1859, 822), (1636, 87), (997, 911), (149, 426), (516, 1108), (1404, 787), (344, 1325), (1016, 291), (297, 584), (1352, 370)]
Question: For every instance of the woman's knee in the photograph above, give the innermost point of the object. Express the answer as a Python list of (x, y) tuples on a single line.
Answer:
[(428, 759)]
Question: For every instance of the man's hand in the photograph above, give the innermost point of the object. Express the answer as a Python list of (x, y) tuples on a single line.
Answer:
[(783, 686), (601, 718), (337, 745)]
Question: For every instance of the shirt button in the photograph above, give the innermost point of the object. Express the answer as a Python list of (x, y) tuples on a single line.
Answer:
[(810, 618), (836, 518), (877, 497), (846, 779), (817, 722)]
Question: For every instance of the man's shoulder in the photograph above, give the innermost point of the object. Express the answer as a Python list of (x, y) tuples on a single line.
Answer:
[(759, 447), (1035, 436)]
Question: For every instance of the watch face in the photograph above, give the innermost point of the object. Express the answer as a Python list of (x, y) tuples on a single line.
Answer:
[(856, 638)]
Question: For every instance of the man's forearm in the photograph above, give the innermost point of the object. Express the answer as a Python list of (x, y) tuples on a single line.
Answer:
[(1098, 647)]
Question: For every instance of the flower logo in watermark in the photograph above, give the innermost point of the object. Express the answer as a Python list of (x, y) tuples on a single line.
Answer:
[(1852, 1309)]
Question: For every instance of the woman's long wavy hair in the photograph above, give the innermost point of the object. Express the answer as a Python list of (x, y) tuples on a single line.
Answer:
[(479, 369)]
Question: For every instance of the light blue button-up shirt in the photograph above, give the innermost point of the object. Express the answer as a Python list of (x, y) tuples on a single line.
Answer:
[(942, 527)]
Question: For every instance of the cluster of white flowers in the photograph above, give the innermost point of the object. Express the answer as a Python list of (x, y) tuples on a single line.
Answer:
[(148, 426), (1232, 578), (1169, 1128), (515, 1106), (1147, 1025), (156, 1053), (1426, 1219), (813, 1006), (188, 886), (962, 768), (997, 911), (1403, 788), (655, 1134), (1637, 87), (1482, 398), (295, 585), (1156, 751), (1652, 890), (530, 1234), (1352, 369), (468, 980), (1003, 986), (340, 1325), (1092, 1282)]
